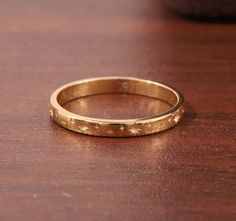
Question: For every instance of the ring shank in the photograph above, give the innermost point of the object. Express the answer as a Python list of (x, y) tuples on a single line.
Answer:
[(116, 128)]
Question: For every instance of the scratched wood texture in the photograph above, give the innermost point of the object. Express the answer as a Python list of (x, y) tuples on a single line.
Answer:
[(48, 173)]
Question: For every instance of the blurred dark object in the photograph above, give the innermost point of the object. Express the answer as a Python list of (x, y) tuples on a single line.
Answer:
[(205, 8)]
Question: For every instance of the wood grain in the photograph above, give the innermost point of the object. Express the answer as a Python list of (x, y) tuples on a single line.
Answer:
[(49, 173)]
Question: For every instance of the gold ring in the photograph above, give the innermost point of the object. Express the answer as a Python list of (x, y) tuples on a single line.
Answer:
[(115, 127)]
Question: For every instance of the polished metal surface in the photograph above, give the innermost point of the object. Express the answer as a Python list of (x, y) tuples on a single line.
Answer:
[(116, 127)]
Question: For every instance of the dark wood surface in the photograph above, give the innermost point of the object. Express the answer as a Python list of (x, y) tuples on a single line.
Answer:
[(49, 173)]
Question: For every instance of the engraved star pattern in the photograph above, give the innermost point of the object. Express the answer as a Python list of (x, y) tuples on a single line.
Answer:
[(83, 128), (122, 127), (176, 119), (51, 113), (110, 131), (134, 131)]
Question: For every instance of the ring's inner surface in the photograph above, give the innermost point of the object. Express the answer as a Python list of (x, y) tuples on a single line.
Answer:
[(124, 86), (117, 106), (117, 98)]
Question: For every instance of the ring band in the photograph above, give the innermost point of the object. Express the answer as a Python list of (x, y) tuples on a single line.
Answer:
[(113, 127)]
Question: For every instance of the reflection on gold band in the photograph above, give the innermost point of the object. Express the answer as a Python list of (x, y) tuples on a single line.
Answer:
[(112, 127)]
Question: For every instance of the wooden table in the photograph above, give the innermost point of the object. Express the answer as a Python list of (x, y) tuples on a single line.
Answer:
[(49, 173)]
